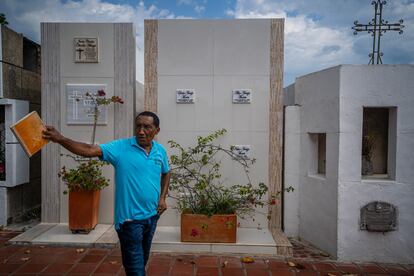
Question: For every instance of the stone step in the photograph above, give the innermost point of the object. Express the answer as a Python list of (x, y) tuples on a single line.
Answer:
[(166, 239)]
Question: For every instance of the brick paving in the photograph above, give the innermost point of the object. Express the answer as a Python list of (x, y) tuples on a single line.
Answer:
[(306, 261)]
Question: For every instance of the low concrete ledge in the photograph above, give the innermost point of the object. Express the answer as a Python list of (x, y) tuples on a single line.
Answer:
[(59, 235), (249, 241), (32, 233), (166, 239)]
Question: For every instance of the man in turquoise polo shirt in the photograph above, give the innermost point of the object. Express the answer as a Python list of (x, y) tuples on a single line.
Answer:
[(141, 178)]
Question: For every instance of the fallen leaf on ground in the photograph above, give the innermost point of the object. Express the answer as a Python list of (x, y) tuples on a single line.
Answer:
[(247, 260), (27, 252), (113, 262), (325, 254), (42, 246), (330, 274), (80, 250), (224, 264), (298, 266), (192, 262), (24, 259)]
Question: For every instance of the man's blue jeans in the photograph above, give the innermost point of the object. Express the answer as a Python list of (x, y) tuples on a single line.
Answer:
[(135, 238)]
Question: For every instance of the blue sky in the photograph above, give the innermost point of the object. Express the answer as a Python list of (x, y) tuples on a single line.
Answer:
[(317, 33)]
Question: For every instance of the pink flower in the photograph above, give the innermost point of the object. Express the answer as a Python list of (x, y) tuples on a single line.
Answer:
[(1, 168), (194, 232), (101, 93)]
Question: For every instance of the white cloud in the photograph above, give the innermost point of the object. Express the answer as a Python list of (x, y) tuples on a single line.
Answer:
[(25, 17), (318, 33), (199, 9), (185, 2)]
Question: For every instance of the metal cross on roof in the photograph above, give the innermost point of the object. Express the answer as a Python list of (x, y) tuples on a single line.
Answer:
[(376, 27)]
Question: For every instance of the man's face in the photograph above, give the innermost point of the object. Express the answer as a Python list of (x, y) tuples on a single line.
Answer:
[(145, 130)]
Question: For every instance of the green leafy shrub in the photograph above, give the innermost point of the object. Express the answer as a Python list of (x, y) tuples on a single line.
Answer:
[(197, 185), (87, 176)]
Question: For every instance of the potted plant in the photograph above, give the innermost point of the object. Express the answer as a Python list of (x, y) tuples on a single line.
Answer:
[(85, 181), (209, 209)]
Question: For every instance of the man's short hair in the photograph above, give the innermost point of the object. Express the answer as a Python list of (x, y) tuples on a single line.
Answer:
[(150, 114)]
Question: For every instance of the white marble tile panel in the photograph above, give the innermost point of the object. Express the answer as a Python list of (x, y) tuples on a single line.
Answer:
[(242, 47), (241, 117), (185, 48), (105, 34), (185, 117)]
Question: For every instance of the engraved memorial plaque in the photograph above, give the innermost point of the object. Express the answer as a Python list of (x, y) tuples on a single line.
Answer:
[(378, 216), (241, 151), (79, 108), (86, 50), (242, 96), (185, 96)]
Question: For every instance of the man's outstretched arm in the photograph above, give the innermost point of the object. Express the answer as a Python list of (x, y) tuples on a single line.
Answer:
[(75, 147)]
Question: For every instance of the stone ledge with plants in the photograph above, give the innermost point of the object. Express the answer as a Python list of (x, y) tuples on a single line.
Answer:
[(208, 205)]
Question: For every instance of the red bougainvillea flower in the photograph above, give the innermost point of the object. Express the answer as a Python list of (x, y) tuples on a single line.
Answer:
[(273, 202), (194, 232), (117, 99), (1, 168), (101, 93)]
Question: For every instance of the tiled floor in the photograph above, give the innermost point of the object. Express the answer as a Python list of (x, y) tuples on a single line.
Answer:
[(41, 260)]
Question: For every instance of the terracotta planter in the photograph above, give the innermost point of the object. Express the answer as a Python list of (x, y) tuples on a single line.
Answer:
[(83, 210), (201, 228)]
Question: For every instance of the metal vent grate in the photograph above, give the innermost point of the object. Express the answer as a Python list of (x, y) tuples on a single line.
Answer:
[(378, 216)]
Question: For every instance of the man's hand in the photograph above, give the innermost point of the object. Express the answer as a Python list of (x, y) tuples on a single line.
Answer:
[(75, 147), (52, 134), (162, 206)]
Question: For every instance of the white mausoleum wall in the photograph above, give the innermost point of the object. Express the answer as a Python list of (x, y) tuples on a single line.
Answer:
[(214, 58), (317, 94), (292, 176), (375, 86), (93, 73), (332, 101)]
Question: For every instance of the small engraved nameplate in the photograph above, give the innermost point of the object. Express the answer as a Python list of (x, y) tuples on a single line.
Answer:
[(185, 96), (242, 96), (241, 151)]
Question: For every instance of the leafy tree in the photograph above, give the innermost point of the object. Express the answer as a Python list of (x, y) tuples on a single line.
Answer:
[(3, 20)]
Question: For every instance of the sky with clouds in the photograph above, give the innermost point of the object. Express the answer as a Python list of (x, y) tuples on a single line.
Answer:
[(317, 33)]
